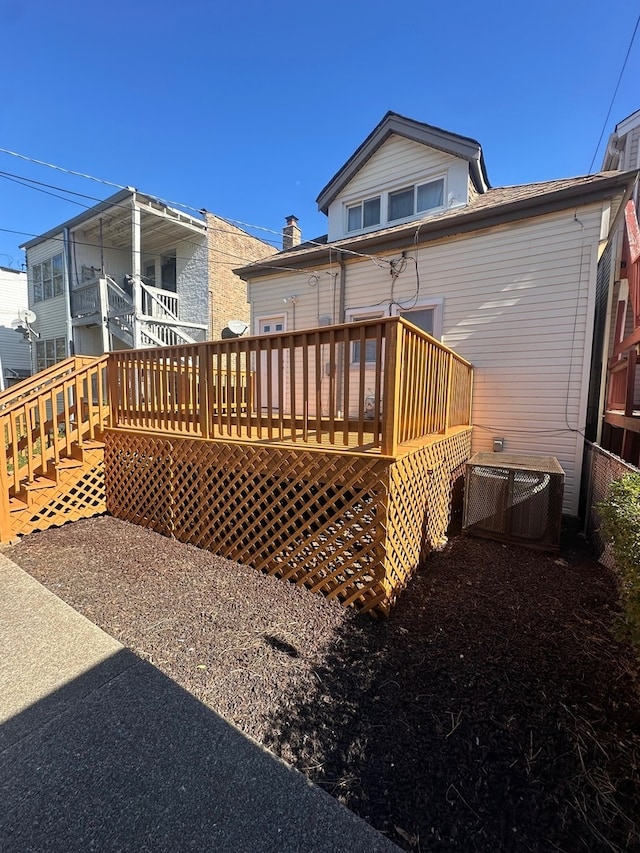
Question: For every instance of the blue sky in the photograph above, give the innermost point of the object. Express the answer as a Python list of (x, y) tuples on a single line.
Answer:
[(248, 109)]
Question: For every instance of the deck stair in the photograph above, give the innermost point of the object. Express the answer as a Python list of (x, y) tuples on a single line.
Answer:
[(52, 469)]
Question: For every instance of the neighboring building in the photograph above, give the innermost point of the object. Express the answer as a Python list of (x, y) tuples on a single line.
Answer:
[(615, 402), (134, 272), (505, 276), (15, 356)]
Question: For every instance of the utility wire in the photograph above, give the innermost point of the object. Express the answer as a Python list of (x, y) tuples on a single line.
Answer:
[(129, 251), (381, 262), (615, 92)]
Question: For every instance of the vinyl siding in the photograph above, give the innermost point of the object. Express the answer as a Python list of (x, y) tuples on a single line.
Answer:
[(14, 350), (518, 302), (51, 314), (399, 163)]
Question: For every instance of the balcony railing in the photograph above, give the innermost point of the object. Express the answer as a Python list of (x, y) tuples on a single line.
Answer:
[(375, 384)]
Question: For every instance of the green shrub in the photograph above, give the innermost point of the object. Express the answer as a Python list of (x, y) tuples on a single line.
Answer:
[(620, 517)]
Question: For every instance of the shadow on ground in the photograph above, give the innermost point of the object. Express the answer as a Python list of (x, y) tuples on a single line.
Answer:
[(122, 759), (492, 711)]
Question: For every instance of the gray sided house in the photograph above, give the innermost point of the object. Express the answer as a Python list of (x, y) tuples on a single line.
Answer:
[(15, 358), (505, 276), (133, 272)]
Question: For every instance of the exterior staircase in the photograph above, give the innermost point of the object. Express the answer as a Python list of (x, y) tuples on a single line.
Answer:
[(52, 462), (151, 314)]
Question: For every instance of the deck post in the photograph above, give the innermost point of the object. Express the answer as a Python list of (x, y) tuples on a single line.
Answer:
[(204, 389), (447, 417), (8, 437), (391, 403), (112, 388)]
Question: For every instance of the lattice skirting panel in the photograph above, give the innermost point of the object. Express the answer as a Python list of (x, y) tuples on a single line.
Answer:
[(78, 493), (321, 519)]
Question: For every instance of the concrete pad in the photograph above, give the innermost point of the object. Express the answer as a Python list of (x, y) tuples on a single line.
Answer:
[(44, 643), (120, 758)]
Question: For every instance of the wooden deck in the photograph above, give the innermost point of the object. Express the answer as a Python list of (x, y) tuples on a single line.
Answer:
[(290, 452)]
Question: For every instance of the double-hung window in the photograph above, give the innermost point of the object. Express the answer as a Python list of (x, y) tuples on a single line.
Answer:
[(50, 352), (370, 348), (365, 214), (415, 199), (48, 279)]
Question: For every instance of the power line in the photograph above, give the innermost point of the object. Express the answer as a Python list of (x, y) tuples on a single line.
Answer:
[(615, 92), (375, 260), (130, 251), (22, 180)]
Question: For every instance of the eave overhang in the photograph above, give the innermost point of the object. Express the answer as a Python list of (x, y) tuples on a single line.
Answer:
[(465, 221), (426, 134)]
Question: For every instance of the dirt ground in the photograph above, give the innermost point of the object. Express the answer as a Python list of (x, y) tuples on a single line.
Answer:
[(494, 710)]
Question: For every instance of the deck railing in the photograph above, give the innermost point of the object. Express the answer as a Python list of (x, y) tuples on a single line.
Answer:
[(375, 384), (42, 379), (61, 407)]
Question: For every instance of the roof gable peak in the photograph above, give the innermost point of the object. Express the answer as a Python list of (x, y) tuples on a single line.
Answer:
[(395, 124)]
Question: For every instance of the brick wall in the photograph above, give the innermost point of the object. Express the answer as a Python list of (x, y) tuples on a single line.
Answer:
[(229, 247)]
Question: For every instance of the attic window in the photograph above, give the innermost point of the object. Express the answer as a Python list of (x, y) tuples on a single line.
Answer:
[(416, 199), (364, 214)]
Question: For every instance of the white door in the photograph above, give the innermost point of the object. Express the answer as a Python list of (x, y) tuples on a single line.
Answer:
[(269, 326)]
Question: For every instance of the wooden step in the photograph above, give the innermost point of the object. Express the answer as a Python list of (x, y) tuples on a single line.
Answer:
[(39, 483), (78, 451), (16, 505), (28, 491), (68, 462)]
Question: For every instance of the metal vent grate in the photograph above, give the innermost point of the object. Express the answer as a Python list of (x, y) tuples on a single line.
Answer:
[(514, 498)]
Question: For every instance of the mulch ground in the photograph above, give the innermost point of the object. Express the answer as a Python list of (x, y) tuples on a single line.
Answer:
[(493, 710)]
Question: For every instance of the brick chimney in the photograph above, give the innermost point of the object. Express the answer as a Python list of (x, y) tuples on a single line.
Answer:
[(290, 233)]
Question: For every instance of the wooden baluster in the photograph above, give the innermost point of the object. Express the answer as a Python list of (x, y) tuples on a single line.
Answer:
[(391, 404)]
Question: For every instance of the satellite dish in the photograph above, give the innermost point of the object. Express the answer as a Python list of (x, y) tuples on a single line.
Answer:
[(27, 316), (238, 327)]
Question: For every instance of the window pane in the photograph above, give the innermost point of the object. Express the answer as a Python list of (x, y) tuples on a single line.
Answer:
[(371, 215), (401, 204), (420, 317), (50, 349), (431, 195), (56, 263), (47, 289), (61, 349), (37, 292), (354, 218), (46, 270), (37, 274), (57, 285)]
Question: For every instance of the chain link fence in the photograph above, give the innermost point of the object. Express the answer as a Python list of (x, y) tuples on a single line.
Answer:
[(601, 467)]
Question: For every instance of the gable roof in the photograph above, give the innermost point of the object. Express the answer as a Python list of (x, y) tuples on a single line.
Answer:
[(426, 134), (497, 206)]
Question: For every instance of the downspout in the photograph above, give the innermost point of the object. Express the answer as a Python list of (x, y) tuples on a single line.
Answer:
[(67, 285)]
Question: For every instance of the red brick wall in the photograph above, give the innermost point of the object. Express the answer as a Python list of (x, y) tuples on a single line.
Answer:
[(229, 247)]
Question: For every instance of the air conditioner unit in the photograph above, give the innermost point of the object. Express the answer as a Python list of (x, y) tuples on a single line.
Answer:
[(514, 498)]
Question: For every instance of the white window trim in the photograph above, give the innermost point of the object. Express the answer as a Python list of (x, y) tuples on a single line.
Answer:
[(260, 319), (41, 344), (417, 214), (360, 202), (353, 315), (384, 192), (40, 266), (434, 302)]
